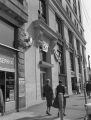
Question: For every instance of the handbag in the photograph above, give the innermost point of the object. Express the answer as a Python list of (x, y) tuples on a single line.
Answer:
[(55, 102)]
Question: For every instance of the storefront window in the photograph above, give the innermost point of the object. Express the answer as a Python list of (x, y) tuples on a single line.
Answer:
[(6, 34), (10, 91)]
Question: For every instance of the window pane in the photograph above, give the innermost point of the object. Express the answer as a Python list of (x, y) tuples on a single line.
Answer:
[(10, 91), (6, 34)]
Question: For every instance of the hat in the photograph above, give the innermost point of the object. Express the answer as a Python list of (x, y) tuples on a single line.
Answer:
[(60, 81), (47, 80)]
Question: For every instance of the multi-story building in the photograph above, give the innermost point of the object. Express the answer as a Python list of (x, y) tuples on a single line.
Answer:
[(54, 48), (58, 48), (13, 15)]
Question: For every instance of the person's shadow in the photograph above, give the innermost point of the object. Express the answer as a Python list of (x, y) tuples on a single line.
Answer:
[(45, 117)]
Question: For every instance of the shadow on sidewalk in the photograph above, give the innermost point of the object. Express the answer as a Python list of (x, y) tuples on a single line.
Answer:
[(45, 117)]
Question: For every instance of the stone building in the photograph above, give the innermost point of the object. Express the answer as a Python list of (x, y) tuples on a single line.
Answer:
[(58, 47), (13, 15), (40, 39)]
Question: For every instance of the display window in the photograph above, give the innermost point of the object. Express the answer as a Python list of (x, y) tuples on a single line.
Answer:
[(7, 81), (10, 89)]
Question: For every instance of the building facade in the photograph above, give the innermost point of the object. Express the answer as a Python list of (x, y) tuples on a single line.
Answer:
[(13, 15), (58, 48)]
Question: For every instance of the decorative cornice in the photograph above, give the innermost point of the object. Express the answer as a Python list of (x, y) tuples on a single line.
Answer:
[(42, 29), (45, 29)]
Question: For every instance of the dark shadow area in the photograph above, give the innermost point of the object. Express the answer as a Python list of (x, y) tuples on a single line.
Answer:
[(45, 117)]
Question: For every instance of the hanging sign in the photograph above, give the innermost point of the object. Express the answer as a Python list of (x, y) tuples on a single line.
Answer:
[(6, 61), (57, 56)]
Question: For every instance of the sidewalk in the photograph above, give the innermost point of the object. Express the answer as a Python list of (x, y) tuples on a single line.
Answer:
[(75, 110)]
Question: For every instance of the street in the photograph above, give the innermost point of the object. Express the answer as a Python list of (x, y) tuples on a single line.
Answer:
[(75, 110)]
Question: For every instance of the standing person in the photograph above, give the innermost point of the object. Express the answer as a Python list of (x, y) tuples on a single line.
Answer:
[(1, 102), (61, 89), (48, 93), (88, 88)]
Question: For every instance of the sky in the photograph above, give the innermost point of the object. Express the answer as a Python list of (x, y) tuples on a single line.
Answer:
[(86, 16)]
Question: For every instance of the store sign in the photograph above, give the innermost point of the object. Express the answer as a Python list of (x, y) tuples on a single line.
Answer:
[(6, 62)]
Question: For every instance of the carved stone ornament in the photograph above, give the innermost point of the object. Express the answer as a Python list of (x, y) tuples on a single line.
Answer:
[(28, 40), (57, 56)]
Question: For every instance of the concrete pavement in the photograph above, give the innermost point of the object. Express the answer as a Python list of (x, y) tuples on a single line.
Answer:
[(75, 110)]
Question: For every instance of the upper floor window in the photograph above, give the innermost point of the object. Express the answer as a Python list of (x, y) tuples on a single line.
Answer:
[(60, 1), (72, 60), (43, 55), (67, 10), (69, 0), (83, 55), (79, 11), (21, 1), (75, 22), (78, 46), (70, 15), (79, 64), (61, 54), (42, 8), (59, 25), (81, 31), (7, 34), (70, 38), (74, 6)]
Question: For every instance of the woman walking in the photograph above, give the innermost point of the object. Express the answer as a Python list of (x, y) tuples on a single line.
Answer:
[(48, 93)]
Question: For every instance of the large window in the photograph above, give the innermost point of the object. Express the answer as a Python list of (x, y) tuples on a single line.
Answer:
[(42, 8), (74, 6), (10, 86), (59, 25), (61, 55), (7, 82), (70, 38), (79, 64), (72, 61), (78, 46), (21, 1), (43, 55), (79, 11), (6, 34)]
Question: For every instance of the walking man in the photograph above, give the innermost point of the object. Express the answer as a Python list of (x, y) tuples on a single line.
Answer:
[(48, 93)]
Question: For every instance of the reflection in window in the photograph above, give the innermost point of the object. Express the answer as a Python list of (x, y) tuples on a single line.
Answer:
[(10, 91)]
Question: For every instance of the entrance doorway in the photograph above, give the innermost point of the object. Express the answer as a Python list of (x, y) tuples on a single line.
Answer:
[(74, 84), (42, 81), (7, 82)]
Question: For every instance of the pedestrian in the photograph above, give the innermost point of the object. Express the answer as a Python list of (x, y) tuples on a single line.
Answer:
[(61, 89), (88, 88), (1, 102), (48, 93)]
